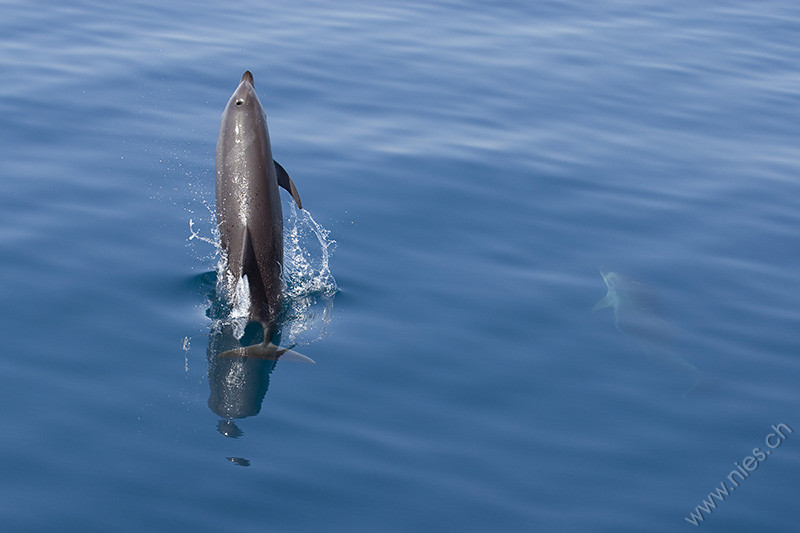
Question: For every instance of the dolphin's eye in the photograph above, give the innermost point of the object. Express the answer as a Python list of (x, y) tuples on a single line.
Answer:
[(239, 102)]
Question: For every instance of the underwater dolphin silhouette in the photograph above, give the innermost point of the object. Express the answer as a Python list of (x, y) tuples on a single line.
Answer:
[(636, 315), (249, 215), (636, 308)]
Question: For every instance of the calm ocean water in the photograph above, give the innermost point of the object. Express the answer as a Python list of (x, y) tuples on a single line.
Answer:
[(478, 167)]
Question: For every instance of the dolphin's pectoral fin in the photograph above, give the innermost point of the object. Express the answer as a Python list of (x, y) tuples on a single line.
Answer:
[(286, 182), (603, 303), (267, 351)]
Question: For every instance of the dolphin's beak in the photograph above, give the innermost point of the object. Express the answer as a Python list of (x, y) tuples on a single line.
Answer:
[(605, 273), (605, 301)]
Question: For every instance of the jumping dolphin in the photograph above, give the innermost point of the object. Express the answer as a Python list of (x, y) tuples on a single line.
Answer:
[(249, 215)]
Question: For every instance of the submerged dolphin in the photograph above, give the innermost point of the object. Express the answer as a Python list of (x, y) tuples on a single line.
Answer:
[(636, 314), (636, 309), (249, 215)]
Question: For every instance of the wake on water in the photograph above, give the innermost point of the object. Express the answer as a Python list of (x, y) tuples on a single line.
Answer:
[(309, 286)]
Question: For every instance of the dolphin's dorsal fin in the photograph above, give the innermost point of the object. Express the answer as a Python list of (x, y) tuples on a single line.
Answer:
[(249, 261), (286, 182)]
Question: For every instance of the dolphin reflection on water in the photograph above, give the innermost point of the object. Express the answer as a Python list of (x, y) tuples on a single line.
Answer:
[(237, 384), (637, 315)]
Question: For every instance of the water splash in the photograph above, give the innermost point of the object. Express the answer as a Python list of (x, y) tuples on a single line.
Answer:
[(307, 252), (309, 285), (240, 305), (205, 220), (195, 234)]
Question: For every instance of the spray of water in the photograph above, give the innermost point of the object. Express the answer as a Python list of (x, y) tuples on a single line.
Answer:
[(309, 285)]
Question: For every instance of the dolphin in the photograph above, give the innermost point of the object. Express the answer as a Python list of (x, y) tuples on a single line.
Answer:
[(249, 216), (636, 308), (636, 315)]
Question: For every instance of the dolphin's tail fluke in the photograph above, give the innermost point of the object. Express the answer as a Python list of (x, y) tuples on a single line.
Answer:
[(267, 351)]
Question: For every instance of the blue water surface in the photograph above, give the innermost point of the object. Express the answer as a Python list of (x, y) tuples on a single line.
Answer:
[(478, 166)]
